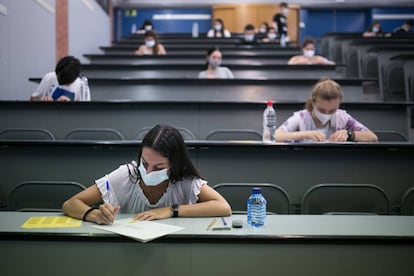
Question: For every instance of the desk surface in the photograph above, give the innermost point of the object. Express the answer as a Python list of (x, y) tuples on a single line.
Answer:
[(277, 227)]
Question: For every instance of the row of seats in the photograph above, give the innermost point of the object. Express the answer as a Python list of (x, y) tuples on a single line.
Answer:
[(389, 60), (357, 199), (108, 134)]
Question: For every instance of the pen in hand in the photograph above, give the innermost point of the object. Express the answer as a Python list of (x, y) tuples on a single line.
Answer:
[(108, 198)]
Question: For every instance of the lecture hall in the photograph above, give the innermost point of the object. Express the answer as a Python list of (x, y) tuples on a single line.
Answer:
[(250, 137)]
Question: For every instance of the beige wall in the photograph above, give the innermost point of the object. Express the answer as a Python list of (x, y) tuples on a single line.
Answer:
[(236, 16)]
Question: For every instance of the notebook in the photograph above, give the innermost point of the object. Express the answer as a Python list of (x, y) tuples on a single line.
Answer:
[(62, 92)]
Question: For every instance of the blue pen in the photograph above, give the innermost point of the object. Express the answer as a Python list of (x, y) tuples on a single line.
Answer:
[(224, 221), (107, 191)]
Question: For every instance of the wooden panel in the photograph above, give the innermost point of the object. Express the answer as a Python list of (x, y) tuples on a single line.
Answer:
[(236, 16), (226, 13)]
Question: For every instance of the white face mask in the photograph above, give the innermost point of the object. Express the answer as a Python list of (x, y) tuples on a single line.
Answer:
[(150, 43), (249, 37), (262, 30), (148, 27), (214, 63), (285, 11), (323, 118), (271, 36), (153, 178), (217, 27), (308, 53)]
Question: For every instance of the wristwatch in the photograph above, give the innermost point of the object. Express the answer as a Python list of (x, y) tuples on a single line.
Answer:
[(351, 135), (175, 209)]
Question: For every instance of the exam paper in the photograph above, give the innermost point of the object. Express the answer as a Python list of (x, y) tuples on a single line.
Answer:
[(143, 231)]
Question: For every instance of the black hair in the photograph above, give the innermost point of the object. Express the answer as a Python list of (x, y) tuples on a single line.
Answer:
[(409, 22), (209, 52), (308, 41), (168, 142), (249, 27), (283, 4), (147, 22), (67, 70)]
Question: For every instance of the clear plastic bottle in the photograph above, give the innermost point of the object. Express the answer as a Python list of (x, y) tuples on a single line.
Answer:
[(195, 29), (256, 208), (133, 28), (283, 40), (269, 123), (85, 91)]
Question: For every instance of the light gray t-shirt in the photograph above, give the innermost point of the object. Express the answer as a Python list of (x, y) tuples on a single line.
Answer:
[(130, 197), (219, 73)]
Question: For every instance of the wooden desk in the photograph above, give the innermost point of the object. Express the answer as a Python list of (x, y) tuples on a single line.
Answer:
[(295, 167), (286, 245)]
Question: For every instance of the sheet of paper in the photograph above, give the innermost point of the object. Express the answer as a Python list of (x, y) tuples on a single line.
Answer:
[(143, 231), (51, 222)]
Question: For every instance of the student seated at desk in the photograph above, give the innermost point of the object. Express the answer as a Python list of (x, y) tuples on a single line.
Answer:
[(405, 28), (64, 84), (322, 119), (213, 68), (146, 26), (374, 30), (218, 30), (151, 46), (163, 183), (309, 57), (271, 36), (249, 35)]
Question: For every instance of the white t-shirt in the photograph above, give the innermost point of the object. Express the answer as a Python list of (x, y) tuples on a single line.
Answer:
[(49, 84), (129, 195), (211, 33), (219, 73)]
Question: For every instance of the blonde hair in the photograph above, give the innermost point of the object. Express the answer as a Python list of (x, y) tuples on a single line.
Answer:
[(325, 89)]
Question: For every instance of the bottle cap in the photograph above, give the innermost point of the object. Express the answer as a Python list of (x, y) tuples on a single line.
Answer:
[(257, 190), (269, 103)]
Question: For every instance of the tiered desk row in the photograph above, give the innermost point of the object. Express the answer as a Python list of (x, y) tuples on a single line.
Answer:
[(130, 93)]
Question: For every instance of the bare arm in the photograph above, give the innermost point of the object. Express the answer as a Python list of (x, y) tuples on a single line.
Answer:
[(365, 136), (161, 50), (282, 135), (210, 204), (293, 60), (77, 206), (139, 51), (360, 136)]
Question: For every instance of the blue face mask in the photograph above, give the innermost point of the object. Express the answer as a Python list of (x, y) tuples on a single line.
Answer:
[(153, 178), (375, 29)]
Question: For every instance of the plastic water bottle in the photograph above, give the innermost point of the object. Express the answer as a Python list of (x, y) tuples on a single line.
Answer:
[(269, 123), (195, 29), (85, 91), (134, 28), (256, 208), (283, 40)]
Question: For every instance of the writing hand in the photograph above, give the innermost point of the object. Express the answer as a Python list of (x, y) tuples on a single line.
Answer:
[(315, 135), (106, 214), (339, 136)]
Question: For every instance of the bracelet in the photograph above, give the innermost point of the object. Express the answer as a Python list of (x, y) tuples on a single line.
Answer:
[(87, 212)]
